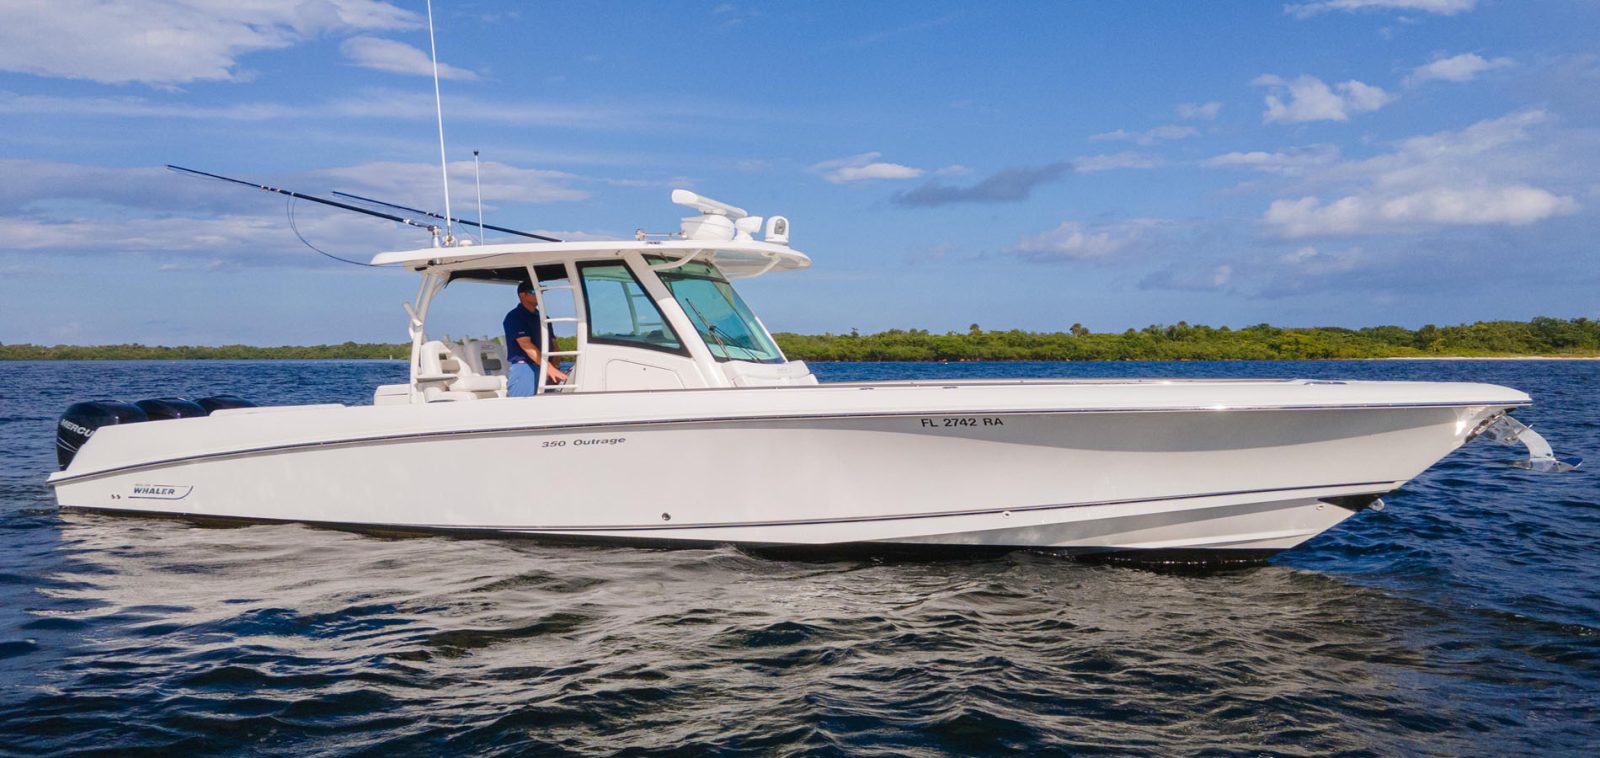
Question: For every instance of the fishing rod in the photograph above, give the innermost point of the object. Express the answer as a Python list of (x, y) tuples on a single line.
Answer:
[(432, 228), (480, 225)]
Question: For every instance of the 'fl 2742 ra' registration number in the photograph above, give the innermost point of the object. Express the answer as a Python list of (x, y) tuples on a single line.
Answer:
[(963, 421)]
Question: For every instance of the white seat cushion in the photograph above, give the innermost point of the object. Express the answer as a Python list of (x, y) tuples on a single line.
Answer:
[(479, 384)]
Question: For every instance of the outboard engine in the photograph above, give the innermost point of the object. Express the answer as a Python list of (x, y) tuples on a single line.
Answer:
[(81, 420), (171, 407), (220, 402)]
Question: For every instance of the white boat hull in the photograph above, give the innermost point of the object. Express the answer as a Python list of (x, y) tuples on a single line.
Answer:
[(945, 466)]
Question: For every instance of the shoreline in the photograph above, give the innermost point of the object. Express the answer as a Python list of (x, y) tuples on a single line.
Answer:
[(1488, 358), (398, 359)]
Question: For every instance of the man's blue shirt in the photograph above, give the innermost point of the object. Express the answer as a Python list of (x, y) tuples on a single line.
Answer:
[(521, 322)]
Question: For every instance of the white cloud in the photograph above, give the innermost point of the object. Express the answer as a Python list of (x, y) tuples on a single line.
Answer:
[(187, 241), (1475, 154), (1309, 269), (1092, 163), (21, 270), (1205, 279), (1487, 174), (1306, 269), (1308, 260), (417, 184), (1460, 68), (873, 171), (1078, 241), (912, 28), (31, 182), (173, 235), (72, 209), (1291, 162), (1311, 99), (397, 58), (170, 42), (863, 167), (379, 103), (139, 107), (1149, 136), (1199, 111), (1439, 7), (730, 16), (1513, 205), (1271, 274)]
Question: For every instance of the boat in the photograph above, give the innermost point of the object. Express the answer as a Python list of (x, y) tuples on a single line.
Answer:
[(683, 423)]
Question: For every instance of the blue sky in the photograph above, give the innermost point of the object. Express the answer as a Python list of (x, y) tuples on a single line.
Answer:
[(1018, 165)]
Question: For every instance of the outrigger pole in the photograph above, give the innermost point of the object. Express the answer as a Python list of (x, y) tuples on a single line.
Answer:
[(478, 224), (432, 228)]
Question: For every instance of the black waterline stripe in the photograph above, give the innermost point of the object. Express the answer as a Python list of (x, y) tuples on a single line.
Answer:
[(725, 419)]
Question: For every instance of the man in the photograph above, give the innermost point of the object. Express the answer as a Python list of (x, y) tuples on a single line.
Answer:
[(522, 346)]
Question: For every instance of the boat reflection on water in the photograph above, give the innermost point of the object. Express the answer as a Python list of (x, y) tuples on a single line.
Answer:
[(411, 642)]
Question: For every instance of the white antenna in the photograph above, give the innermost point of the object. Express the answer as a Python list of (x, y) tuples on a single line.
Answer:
[(438, 104), (477, 177)]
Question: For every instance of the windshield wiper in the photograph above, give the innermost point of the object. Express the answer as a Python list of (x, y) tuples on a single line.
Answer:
[(747, 351), (711, 329), (754, 330)]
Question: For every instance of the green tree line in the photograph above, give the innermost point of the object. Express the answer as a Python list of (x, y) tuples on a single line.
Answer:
[(1180, 341), (345, 350)]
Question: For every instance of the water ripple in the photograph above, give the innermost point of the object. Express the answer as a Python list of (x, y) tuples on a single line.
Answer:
[(1465, 618)]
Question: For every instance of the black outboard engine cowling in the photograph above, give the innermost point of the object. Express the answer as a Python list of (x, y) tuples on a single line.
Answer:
[(161, 408), (81, 420), (219, 402)]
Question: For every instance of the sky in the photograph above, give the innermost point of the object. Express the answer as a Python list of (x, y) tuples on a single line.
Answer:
[(1018, 165)]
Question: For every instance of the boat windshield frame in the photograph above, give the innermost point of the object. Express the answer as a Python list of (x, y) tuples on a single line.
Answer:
[(756, 343)]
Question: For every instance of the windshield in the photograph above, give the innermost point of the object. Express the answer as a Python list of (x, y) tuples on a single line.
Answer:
[(726, 324)]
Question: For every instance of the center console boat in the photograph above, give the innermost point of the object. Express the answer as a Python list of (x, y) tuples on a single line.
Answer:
[(682, 422)]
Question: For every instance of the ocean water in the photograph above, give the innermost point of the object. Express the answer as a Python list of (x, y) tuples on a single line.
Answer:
[(1463, 619)]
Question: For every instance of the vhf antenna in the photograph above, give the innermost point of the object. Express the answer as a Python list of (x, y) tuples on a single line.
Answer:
[(477, 178), (438, 106)]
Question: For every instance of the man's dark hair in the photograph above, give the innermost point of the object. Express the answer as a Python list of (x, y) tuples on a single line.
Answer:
[(524, 286)]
